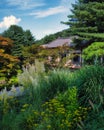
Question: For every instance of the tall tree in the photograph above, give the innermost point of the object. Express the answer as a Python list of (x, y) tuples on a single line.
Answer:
[(28, 38), (87, 18), (14, 32), (20, 37)]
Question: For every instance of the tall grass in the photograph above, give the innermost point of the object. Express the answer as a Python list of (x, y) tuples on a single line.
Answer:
[(30, 79), (89, 80), (40, 86), (31, 74), (90, 83), (58, 81)]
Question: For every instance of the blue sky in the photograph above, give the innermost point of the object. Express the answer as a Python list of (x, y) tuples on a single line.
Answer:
[(41, 17)]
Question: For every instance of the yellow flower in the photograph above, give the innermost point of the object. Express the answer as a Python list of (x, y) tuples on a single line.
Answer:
[(46, 103), (51, 108), (35, 112), (48, 126), (62, 125), (79, 118), (62, 112), (35, 125), (11, 97), (42, 113), (62, 105), (22, 110), (25, 105)]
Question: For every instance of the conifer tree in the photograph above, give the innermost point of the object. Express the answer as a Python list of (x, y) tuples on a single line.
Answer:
[(87, 20), (20, 37)]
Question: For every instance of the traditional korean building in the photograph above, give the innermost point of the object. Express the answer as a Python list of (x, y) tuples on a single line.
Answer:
[(76, 59)]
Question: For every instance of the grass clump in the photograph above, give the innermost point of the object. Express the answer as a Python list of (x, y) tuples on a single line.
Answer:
[(31, 74), (90, 83), (58, 81)]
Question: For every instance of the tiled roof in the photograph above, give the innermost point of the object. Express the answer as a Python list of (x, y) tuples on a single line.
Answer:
[(58, 42)]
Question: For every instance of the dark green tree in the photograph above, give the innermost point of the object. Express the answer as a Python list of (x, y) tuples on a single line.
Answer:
[(87, 20), (28, 38), (20, 37), (14, 32)]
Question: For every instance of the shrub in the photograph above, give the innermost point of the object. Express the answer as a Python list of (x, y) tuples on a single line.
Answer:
[(57, 113)]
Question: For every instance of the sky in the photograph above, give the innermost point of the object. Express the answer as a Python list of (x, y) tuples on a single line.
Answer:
[(41, 17)]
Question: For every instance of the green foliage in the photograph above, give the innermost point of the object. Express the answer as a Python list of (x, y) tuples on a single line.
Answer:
[(13, 32), (62, 114), (86, 20), (58, 81), (28, 38), (95, 121), (43, 87), (57, 113), (18, 35), (50, 85), (95, 50), (89, 80), (94, 36), (20, 38), (13, 81), (30, 53)]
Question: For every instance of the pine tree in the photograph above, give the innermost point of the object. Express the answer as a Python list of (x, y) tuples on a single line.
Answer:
[(20, 37), (87, 20), (28, 38)]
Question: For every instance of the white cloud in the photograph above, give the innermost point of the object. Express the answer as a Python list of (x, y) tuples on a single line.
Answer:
[(8, 21), (49, 11), (25, 4)]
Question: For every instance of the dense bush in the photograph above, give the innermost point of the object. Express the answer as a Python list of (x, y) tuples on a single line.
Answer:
[(57, 113), (94, 53)]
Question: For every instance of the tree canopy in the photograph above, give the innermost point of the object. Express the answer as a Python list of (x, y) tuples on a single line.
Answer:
[(20, 38), (95, 50), (87, 18), (18, 35)]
